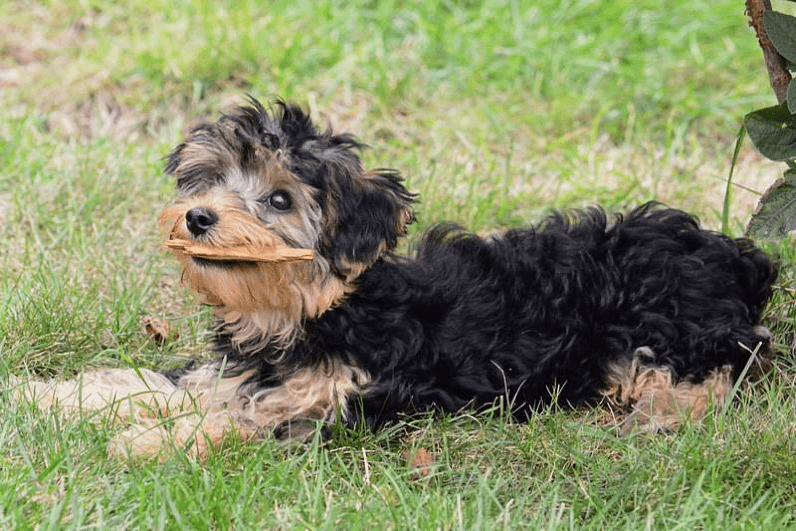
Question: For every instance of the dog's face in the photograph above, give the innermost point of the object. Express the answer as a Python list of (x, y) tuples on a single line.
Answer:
[(273, 178)]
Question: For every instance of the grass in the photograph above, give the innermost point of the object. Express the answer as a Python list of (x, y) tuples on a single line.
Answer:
[(496, 111)]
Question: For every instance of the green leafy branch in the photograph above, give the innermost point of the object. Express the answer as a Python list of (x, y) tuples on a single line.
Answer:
[(773, 129)]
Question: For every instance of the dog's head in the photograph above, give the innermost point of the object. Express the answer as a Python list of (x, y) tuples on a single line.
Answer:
[(272, 179)]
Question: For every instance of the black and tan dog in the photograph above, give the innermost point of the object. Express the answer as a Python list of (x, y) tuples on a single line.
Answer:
[(647, 311)]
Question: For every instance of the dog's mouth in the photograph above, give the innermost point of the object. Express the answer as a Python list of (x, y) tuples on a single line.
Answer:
[(222, 264), (243, 242)]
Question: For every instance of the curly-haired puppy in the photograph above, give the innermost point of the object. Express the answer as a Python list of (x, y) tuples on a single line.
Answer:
[(647, 311)]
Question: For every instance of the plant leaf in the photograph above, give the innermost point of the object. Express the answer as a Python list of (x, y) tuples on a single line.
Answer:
[(773, 131), (775, 216), (791, 96), (781, 29)]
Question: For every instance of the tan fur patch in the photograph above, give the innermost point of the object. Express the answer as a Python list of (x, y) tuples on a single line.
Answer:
[(352, 268), (657, 402)]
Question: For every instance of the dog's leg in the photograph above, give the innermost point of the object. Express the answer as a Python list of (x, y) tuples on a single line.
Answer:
[(226, 405), (129, 394), (192, 432), (657, 402), (157, 409), (211, 406), (663, 406)]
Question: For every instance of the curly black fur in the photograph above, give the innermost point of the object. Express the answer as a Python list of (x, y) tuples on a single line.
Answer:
[(539, 313), (532, 315)]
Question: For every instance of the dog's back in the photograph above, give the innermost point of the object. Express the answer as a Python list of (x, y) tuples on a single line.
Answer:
[(554, 312)]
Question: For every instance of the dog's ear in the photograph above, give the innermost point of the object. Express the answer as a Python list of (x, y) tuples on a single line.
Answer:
[(373, 210), (364, 212)]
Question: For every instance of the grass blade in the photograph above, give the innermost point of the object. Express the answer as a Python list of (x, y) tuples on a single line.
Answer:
[(725, 211)]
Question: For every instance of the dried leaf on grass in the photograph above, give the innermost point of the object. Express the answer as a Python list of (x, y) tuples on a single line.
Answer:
[(158, 330), (419, 462)]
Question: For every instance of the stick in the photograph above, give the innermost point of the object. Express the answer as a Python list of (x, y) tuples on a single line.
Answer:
[(248, 253)]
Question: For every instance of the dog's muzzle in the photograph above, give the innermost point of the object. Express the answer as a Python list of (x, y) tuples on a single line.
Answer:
[(199, 220)]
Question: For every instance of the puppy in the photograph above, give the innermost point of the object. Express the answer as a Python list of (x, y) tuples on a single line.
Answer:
[(280, 228)]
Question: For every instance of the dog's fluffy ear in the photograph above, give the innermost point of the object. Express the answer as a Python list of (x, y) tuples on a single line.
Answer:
[(374, 209)]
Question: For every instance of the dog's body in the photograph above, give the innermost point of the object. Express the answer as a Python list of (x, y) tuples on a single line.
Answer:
[(648, 311)]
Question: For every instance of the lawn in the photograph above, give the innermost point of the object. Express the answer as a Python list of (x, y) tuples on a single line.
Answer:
[(497, 112)]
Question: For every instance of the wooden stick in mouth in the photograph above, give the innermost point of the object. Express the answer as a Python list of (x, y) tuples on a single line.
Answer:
[(242, 252)]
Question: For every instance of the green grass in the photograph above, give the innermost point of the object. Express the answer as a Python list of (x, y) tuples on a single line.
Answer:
[(497, 112)]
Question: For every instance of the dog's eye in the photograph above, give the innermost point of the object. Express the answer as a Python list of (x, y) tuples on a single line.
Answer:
[(280, 200)]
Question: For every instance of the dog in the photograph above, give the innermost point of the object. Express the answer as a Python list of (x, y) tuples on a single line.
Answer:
[(646, 312)]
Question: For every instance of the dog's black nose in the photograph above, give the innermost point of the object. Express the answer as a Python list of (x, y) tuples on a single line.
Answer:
[(200, 219)]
